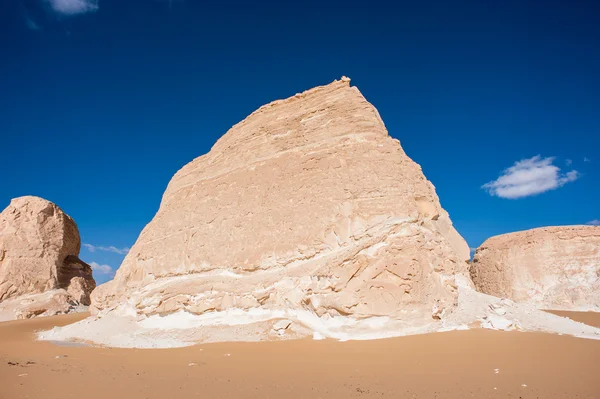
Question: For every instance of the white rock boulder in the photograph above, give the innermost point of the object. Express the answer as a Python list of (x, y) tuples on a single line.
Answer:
[(550, 267), (40, 272)]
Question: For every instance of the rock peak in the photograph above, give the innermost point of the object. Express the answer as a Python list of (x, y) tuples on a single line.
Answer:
[(343, 83), (26, 199)]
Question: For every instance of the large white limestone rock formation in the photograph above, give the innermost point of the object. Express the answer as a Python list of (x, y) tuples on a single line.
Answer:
[(549, 267), (40, 272), (305, 218), (306, 205)]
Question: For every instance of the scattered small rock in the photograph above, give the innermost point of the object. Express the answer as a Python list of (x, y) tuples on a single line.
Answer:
[(498, 309), (280, 326), (193, 364), (436, 312), (27, 363)]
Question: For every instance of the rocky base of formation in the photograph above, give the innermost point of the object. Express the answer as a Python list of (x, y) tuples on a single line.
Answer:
[(49, 303), (550, 267), (40, 271), (126, 329)]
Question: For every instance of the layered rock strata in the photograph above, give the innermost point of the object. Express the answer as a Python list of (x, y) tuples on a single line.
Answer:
[(549, 267), (306, 204)]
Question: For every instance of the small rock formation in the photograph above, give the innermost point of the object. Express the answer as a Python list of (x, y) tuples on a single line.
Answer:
[(308, 205), (40, 272), (550, 267)]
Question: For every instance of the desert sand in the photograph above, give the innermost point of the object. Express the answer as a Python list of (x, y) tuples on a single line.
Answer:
[(589, 318), (477, 363)]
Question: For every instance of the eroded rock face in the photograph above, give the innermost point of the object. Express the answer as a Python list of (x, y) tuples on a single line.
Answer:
[(551, 267), (305, 205), (39, 248)]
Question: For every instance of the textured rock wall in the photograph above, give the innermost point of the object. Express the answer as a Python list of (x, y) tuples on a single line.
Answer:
[(551, 267), (306, 204), (39, 248)]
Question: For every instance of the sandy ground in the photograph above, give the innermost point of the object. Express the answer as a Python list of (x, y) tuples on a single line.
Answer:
[(459, 364), (589, 318)]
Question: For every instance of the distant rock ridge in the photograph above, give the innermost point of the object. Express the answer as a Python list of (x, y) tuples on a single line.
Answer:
[(550, 267), (40, 271)]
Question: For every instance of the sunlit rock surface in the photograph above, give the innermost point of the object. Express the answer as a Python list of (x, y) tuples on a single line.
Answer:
[(550, 267), (40, 272)]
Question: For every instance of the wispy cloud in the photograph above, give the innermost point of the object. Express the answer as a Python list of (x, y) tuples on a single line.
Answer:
[(94, 248), (30, 23), (529, 177), (568, 162), (105, 270), (74, 7), (170, 2), (594, 222), (586, 159)]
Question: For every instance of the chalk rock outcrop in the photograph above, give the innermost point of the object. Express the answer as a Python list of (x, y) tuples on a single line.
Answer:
[(305, 206), (40, 272), (550, 267)]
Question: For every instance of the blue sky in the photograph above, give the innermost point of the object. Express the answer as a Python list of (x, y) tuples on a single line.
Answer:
[(103, 101)]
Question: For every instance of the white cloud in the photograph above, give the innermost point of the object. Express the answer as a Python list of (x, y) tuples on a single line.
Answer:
[(94, 248), (529, 177), (586, 159), (74, 7), (102, 269), (568, 162), (594, 222)]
